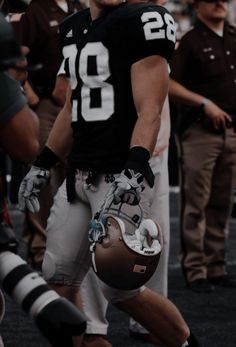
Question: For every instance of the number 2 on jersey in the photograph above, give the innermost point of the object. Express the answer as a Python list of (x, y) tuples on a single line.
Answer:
[(154, 26)]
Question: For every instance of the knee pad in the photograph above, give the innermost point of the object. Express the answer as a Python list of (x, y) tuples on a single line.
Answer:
[(48, 266), (61, 271), (114, 295)]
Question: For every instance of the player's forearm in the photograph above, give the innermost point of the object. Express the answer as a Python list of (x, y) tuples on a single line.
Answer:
[(60, 137), (145, 132), (150, 86)]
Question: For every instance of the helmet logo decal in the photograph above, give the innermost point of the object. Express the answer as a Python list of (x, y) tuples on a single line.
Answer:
[(139, 268)]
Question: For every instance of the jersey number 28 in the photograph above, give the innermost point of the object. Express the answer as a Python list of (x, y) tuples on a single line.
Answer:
[(154, 28)]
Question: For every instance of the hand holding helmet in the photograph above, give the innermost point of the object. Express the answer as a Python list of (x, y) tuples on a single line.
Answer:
[(129, 184), (128, 187)]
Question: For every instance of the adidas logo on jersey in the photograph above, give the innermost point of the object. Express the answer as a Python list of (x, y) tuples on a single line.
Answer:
[(69, 34)]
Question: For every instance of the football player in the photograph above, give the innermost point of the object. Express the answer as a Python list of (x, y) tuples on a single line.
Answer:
[(116, 59), (95, 305)]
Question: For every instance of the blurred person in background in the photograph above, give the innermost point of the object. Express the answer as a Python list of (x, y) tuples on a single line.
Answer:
[(37, 28), (56, 318), (232, 12), (203, 72)]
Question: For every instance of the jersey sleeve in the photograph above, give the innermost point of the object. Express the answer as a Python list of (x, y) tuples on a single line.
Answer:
[(12, 99), (149, 31)]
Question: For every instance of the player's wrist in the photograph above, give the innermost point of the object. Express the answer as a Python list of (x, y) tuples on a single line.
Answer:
[(138, 160), (46, 159), (203, 103)]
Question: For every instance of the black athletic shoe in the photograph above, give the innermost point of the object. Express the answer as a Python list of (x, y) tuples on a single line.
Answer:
[(201, 285), (223, 281)]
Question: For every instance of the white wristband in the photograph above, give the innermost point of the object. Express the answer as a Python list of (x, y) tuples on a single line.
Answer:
[(204, 102)]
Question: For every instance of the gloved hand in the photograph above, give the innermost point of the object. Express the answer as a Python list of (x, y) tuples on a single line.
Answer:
[(30, 188), (128, 186)]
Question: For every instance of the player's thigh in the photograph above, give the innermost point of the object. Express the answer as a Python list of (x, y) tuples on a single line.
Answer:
[(67, 247), (98, 197), (114, 295)]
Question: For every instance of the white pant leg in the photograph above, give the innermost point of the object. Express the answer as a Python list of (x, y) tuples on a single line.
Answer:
[(160, 212), (2, 305), (2, 312), (94, 304), (66, 259)]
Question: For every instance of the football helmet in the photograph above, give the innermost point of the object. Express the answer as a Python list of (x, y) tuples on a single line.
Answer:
[(125, 247)]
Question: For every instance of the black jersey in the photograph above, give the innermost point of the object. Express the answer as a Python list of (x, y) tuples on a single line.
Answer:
[(98, 56)]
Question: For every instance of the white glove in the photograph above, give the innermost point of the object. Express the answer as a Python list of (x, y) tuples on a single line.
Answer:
[(30, 188), (128, 186)]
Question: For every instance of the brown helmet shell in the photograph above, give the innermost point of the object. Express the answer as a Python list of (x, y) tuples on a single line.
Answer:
[(118, 265)]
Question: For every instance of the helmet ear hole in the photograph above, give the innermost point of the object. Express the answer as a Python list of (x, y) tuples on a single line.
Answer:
[(111, 236)]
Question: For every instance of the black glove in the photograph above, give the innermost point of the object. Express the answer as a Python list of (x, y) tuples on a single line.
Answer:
[(129, 184)]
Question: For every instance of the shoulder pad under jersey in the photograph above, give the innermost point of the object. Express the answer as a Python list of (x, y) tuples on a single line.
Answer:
[(70, 25), (142, 30)]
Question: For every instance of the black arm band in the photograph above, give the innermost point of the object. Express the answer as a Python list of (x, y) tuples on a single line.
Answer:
[(46, 159), (137, 160)]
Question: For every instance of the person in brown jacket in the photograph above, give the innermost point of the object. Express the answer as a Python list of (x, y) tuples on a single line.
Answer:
[(204, 79)]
